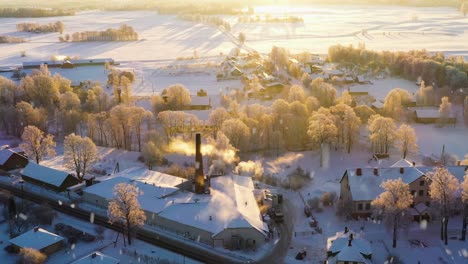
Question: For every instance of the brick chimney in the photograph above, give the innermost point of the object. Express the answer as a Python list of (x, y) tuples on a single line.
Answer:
[(199, 176)]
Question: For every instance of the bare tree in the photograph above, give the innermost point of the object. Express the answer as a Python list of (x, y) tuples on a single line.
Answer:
[(125, 209), (443, 190), (393, 203), (36, 145), (322, 129), (445, 109), (79, 154), (406, 140)]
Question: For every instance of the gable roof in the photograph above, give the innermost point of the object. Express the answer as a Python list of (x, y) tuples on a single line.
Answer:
[(403, 163), (231, 204), (36, 238), (339, 247), (5, 154), (366, 187), (98, 258), (45, 174)]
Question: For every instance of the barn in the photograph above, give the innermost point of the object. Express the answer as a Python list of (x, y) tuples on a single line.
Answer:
[(10, 160), (39, 239), (47, 177)]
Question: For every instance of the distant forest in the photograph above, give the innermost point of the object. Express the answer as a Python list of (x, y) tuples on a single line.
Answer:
[(431, 67), (123, 33), (41, 28), (34, 12)]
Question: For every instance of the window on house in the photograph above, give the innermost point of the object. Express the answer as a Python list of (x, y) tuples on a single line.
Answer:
[(428, 203), (413, 192), (421, 183), (427, 193), (367, 206), (359, 207), (412, 205), (421, 192)]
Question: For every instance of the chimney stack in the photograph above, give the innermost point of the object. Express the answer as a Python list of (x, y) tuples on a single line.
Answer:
[(199, 176)]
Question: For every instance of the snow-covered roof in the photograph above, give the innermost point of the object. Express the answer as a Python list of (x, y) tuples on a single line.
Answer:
[(44, 174), (231, 204), (366, 187), (149, 176), (339, 245), (427, 113), (403, 163), (36, 238), (151, 196), (98, 258), (5, 154), (200, 100)]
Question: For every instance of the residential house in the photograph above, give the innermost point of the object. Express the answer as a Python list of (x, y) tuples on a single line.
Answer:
[(360, 186), (39, 239), (49, 178), (430, 115), (348, 248), (10, 160)]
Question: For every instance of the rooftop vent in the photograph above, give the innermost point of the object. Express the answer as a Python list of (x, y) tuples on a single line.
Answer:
[(94, 255), (36, 228)]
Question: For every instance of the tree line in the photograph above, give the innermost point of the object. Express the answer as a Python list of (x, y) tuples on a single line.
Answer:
[(34, 12), (210, 20), (11, 39), (41, 28), (123, 33), (450, 71)]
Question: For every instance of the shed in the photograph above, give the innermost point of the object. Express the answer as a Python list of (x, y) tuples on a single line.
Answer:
[(39, 239), (429, 115), (10, 160), (96, 258), (47, 177)]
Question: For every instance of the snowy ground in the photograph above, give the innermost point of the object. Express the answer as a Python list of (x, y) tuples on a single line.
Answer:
[(138, 252), (391, 28)]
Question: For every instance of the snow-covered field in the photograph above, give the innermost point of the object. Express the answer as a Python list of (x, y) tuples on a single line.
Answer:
[(391, 28)]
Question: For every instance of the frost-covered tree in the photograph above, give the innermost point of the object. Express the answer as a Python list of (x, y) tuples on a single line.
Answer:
[(237, 132), (381, 133), (78, 154), (152, 154), (394, 102), (296, 93), (324, 92), (125, 209), (443, 190), (445, 109), (177, 97), (425, 95), (406, 140), (345, 98), (364, 112), (347, 124), (138, 117), (217, 117), (32, 256), (36, 144), (464, 187), (322, 129), (393, 202)]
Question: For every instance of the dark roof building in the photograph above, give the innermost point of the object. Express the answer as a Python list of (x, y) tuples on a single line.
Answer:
[(47, 177), (10, 160)]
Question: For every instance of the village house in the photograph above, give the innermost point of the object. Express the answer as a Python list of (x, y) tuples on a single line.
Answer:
[(49, 178), (67, 63), (39, 239), (348, 248), (10, 160), (360, 186), (430, 115)]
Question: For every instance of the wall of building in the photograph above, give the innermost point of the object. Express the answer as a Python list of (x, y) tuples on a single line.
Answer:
[(420, 191), (250, 238)]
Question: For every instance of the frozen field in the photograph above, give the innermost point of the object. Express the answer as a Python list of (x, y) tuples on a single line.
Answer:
[(161, 37), (387, 28)]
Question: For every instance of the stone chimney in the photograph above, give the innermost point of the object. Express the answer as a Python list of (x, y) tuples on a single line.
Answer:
[(199, 176)]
